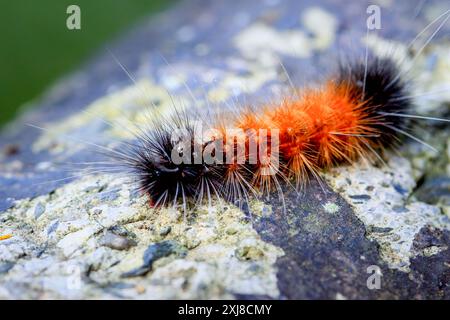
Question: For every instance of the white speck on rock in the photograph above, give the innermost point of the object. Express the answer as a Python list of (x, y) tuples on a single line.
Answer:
[(331, 207), (322, 24), (259, 40), (185, 34), (43, 166), (431, 251)]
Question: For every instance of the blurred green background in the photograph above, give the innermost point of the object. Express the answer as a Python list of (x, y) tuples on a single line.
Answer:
[(37, 48)]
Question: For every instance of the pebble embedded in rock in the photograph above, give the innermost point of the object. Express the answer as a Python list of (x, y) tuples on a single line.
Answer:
[(39, 210), (360, 197), (249, 253), (97, 211), (121, 231), (95, 188), (116, 242), (164, 231), (191, 240), (52, 226), (5, 267), (231, 230), (154, 252), (108, 196), (162, 249), (379, 229)]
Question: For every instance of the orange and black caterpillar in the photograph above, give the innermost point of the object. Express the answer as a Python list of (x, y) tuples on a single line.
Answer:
[(354, 114)]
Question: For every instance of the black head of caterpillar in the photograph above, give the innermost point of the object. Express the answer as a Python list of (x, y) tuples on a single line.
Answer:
[(163, 179), (385, 92)]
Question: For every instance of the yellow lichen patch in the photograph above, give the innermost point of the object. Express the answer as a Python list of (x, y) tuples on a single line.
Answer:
[(261, 42), (260, 39), (322, 24), (5, 237), (218, 95), (232, 84), (262, 46), (121, 112), (260, 209), (331, 207)]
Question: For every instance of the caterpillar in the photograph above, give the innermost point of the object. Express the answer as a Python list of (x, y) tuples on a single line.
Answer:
[(357, 113)]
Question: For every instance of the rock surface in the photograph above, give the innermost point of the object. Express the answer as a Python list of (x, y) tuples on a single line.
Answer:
[(85, 234)]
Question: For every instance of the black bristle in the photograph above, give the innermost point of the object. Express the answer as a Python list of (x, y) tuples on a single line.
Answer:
[(384, 92), (163, 180)]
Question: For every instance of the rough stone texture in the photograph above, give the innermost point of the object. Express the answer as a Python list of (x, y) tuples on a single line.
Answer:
[(84, 234)]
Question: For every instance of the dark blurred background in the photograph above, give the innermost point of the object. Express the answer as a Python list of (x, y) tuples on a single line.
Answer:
[(37, 48)]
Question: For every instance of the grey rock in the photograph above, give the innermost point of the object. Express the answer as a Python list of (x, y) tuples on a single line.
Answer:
[(333, 249), (52, 227)]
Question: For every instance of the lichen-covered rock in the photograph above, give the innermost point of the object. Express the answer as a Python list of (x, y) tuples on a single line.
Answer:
[(88, 234)]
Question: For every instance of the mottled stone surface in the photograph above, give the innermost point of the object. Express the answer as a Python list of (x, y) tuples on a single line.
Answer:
[(84, 234)]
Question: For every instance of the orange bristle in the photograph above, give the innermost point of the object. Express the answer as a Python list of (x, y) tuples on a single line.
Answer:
[(258, 127), (321, 128), (336, 122)]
